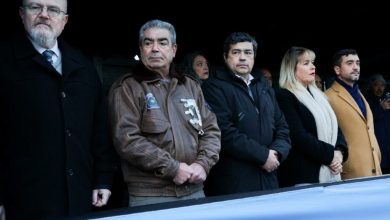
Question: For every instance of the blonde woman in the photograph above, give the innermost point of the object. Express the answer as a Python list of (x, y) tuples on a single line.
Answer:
[(318, 146)]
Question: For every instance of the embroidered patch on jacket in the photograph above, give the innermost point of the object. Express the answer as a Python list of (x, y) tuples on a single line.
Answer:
[(193, 112), (151, 102)]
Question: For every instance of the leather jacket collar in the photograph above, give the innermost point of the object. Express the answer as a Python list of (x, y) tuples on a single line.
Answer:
[(141, 73)]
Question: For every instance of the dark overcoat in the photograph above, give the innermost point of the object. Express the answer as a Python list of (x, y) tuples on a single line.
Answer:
[(250, 127), (307, 153), (53, 134), (382, 128)]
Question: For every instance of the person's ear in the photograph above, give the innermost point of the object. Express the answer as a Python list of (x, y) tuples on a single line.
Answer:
[(336, 70)]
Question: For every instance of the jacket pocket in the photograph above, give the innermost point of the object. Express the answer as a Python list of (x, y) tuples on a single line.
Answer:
[(154, 126)]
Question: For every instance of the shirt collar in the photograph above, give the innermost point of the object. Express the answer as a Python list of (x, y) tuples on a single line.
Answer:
[(250, 78), (40, 49)]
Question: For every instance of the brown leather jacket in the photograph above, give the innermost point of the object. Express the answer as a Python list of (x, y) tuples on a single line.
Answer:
[(155, 127)]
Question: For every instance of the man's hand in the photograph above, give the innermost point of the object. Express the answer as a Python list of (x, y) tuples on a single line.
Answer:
[(199, 174), (100, 197), (272, 162), (385, 104), (183, 174), (2, 212)]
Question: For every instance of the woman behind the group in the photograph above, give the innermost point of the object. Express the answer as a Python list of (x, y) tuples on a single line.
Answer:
[(196, 64), (318, 146)]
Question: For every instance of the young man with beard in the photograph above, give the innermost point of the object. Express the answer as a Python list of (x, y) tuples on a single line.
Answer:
[(354, 117), (55, 160)]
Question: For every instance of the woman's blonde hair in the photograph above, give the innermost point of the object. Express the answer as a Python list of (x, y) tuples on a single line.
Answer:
[(288, 67)]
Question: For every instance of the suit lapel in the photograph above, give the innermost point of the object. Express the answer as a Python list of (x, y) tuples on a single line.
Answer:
[(344, 95), (369, 118), (25, 50), (70, 61)]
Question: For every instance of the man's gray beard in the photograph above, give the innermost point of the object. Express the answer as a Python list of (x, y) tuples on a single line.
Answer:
[(43, 38)]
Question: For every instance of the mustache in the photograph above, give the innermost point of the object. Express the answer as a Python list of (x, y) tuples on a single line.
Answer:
[(43, 23), (154, 57)]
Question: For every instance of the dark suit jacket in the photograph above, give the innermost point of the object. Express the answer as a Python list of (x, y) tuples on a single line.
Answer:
[(307, 153), (54, 146), (250, 128)]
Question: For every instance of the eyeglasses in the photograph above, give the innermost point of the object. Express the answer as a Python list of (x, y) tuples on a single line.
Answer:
[(36, 9)]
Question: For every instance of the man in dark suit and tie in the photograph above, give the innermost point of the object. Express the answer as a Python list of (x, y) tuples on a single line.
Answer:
[(55, 160)]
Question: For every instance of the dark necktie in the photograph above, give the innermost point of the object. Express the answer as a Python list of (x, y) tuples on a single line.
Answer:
[(48, 54)]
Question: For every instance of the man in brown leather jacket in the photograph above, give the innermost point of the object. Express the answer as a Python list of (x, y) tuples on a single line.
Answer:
[(166, 138)]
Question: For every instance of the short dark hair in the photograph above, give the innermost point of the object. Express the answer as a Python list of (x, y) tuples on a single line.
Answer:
[(238, 37), (344, 52)]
